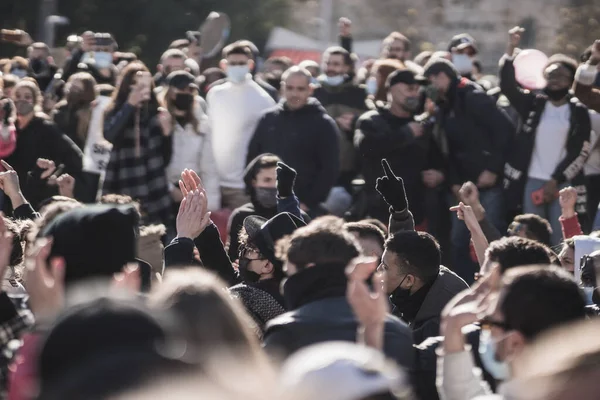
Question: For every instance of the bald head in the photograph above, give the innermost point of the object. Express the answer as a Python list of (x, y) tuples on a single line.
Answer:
[(296, 87)]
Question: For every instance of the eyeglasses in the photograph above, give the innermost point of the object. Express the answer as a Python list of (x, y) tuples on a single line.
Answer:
[(488, 323)]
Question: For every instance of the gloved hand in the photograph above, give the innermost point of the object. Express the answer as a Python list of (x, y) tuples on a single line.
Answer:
[(391, 188), (286, 177)]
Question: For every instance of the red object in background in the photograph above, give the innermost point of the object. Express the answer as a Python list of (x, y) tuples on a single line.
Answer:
[(297, 56), (221, 220)]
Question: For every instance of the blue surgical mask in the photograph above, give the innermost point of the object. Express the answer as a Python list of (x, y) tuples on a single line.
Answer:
[(335, 80), (103, 59), (86, 57), (19, 72), (372, 86), (589, 294), (487, 351), (463, 63), (314, 81), (237, 73)]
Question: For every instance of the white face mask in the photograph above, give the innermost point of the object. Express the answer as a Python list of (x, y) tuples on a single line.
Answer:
[(335, 80), (103, 59), (463, 63), (237, 73), (487, 351), (589, 294), (372, 86)]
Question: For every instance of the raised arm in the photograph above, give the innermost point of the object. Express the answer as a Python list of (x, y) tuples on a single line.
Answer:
[(585, 77)]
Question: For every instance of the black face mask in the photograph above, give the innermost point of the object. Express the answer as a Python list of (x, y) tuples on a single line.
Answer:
[(556, 94), (266, 197), (183, 101), (400, 294), (247, 275), (37, 65)]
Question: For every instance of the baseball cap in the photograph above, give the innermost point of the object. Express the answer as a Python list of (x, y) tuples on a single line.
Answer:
[(462, 41), (406, 76), (181, 80)]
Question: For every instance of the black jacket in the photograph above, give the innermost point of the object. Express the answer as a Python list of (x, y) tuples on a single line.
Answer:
[(321, 313), (66, 120), (380, 134), (338, 100), (426, 324), (41, 139), (477, 132), (306, 140), (531, 107)]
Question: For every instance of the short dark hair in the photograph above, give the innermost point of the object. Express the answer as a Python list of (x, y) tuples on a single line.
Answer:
[(515, 251), (535, 299), (564, 61), (400, 37), (284, 62), (173, 53), (539, 227), (418, 252), (338, 51), (179, 44), (237, 48), (323, 241), (383, 227), (367, 231)]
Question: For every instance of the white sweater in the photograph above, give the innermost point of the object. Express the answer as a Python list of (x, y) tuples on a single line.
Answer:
[(233, 113), (194, 151)]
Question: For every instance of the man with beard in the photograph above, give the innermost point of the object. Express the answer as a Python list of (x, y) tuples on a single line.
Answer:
[(390, 132), (299, 131), (41, 65)]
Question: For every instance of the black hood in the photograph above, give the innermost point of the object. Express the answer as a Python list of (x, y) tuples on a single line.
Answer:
[(313, 106)]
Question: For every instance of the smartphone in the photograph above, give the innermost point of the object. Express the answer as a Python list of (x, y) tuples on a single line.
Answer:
[(103, 39), (538, 197), (11, 35), (144, 83)]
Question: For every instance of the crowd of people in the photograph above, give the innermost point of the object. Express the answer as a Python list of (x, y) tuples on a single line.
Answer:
[(393, 228)]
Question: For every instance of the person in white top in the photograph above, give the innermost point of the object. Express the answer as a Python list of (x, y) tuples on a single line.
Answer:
[(234, 109), (191, 137)]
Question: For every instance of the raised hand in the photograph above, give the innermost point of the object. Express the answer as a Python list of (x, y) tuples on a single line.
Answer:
[(391, 188), (9, 183), (66, 185), (514, 39), (45, 285), (48, 166), (6, 246), (345, 27), (469, 194), (465, 213), (192, 218), (568, 200), (286, 177), (189, 182)]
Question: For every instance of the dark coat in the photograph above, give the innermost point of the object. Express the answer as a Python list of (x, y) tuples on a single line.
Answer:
[(321, 313), (42, 139), (477, 132), (380, 134), (306, 140), (531, 107)]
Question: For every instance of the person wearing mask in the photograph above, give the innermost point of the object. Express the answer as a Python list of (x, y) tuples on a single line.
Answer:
[(530, 302), (141, 150), (191, 138), (73, 114), (463, 49), (40, 146), (316, 258), (9, 83), (552, 144), (344, 102), (390, 132), (41, 65), (376, 82), (171, 60), (254, 55), (234, 109), (418, 286), (299, 131), (473, 141), (273, 70), (265, 184), (18, 67), (96, 53)]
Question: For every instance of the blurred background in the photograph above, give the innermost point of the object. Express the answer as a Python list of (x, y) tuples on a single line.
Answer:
[(301, 29)]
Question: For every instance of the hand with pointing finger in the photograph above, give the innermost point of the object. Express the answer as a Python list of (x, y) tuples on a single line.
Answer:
[(391, 188), (9, 183)]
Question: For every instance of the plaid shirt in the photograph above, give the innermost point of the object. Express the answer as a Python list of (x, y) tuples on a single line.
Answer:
[(15, 319)]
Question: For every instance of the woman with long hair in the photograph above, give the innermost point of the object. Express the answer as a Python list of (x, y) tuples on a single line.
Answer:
[(38, 140), (191, 136), (73, 114), (141, 149)]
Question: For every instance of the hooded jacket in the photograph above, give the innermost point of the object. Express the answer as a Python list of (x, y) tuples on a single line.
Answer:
[(477, 132), (320, 313), (306, 140), (531, 107)]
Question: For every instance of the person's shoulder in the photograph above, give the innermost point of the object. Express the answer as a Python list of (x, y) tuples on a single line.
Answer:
[(451, 280), (282, 322), (395, 325), (243, 211)]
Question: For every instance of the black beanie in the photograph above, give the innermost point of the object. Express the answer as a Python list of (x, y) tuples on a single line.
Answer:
[(95, 241)]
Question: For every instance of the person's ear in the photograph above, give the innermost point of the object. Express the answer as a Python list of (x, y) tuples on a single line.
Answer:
[(223, 64), (159, 68), (268, 268), (514, 345), (311, 89), (251, 65), (411, 280)]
